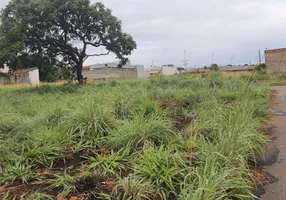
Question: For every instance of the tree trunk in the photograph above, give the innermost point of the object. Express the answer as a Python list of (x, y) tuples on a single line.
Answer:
[(79, 73)]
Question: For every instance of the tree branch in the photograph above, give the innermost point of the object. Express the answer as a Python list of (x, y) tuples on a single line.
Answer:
[(101, 54)]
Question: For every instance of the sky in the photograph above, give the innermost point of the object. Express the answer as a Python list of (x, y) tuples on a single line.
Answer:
[(231, 30)]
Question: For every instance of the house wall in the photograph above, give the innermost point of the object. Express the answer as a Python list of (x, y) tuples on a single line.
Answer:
[(275, 60), (142, 73), (110, 73), (169, 70), (5, 69), (34, 77)]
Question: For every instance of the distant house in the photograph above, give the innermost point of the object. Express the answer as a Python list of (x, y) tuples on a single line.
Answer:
[(112, 71), (4, 70), (164, 70), (86, 68), (275, 60), (237, 68), (26, 76), (155, 72)]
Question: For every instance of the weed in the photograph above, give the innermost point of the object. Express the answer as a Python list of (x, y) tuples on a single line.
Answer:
[(17, 170), (132, 188), (162, 168), (114, 163), (64, 183)]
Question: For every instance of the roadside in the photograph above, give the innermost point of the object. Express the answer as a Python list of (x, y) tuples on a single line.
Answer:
[(277, 190)]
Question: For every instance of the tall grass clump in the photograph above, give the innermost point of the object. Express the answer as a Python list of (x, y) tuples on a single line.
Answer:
[(136, 132), (88, 121), (132, 188), (163, 168)]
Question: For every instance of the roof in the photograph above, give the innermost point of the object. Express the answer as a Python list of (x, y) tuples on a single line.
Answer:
[(275, 50), (155, 71), (23, 71)]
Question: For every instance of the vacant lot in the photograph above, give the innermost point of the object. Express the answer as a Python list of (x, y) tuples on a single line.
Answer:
[(179, 137)]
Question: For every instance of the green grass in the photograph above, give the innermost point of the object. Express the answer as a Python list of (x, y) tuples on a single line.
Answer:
[(180, 137)]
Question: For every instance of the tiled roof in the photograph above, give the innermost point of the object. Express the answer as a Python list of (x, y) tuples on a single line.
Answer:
[(155, 71), (23, 71), (86, 68)]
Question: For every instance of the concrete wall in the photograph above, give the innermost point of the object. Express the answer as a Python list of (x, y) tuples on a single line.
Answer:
[(20, 79), (142, 73), (4, 80), (275, 60), (110, 73), (110, 65), (34, 77), (169, 70)]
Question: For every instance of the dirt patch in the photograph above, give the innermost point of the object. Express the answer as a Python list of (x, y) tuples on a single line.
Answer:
[(18, 190), (180, 121)]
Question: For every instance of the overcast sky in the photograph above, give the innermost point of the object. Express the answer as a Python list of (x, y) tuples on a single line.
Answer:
[(232, 30)]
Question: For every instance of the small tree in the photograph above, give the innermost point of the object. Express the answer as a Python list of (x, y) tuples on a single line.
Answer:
[(214, 67), (260, 67), (69, 31)]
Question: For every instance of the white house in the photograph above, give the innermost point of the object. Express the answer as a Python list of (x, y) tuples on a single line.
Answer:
[(164, 70), (5, 69), (26, 76)]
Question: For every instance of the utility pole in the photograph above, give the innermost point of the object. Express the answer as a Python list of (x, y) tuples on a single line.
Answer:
[(185, 61), (212, 58), (259, 56), (232, 58)]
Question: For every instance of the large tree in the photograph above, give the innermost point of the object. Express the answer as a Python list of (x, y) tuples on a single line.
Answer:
[(68, 31)]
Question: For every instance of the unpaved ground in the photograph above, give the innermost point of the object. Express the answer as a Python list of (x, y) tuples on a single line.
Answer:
[(277, 190)]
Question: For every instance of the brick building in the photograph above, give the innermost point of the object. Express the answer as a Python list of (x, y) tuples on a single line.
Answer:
[(275, 60)]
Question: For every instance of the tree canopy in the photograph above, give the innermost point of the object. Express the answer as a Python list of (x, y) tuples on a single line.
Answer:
[(214, 67), (65, 32)]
